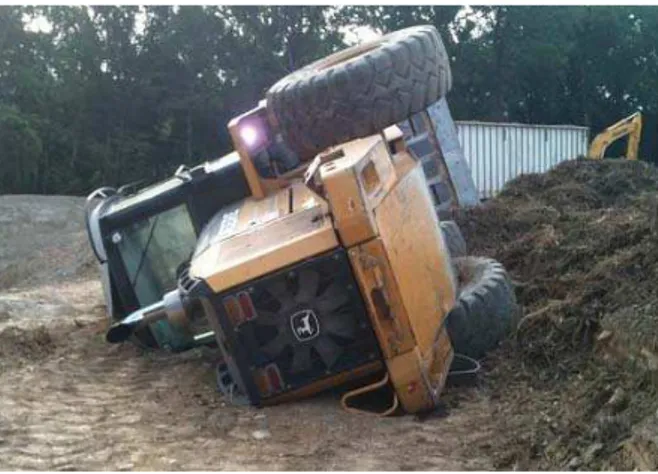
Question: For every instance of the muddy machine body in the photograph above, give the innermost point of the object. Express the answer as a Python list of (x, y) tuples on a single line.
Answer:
[(336, 275), (326, 263)]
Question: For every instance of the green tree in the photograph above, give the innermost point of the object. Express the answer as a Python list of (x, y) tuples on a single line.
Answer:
[(21, 149)]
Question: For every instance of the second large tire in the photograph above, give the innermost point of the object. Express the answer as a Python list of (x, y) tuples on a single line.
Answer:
[(486, 310), (361, 90)]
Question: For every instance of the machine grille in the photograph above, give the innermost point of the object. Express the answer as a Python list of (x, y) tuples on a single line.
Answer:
[(298, 325)]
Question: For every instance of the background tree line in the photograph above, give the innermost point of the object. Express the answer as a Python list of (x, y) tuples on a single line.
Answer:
[(109, 95)]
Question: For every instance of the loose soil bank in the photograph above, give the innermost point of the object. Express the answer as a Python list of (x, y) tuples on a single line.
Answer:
[(580, 241)]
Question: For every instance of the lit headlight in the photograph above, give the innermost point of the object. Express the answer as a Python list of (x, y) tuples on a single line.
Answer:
[(249, 135)]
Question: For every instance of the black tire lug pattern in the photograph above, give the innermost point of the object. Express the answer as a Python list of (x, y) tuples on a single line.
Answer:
[(486, 310), (318, 106)]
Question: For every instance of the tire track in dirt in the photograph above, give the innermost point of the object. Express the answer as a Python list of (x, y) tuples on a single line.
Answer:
[(86, 411), (70, 401), (93, 406)]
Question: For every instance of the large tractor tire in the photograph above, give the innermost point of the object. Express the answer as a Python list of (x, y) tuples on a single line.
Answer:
[(486, 310), (453, 238), (361, 90)]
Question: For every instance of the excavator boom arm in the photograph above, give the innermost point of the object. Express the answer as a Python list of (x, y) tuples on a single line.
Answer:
[(631, 126)]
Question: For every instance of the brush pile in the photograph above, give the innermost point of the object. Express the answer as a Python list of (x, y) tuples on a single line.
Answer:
[(580, 242)]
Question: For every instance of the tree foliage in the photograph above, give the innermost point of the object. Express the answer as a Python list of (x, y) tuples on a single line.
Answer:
[(110, 95)]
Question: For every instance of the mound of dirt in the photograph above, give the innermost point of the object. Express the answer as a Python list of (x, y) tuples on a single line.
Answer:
[(48, 273), (580, 243), (42, 239)]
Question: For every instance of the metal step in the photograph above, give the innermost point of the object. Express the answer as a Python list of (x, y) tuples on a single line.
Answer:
[(431, 137)]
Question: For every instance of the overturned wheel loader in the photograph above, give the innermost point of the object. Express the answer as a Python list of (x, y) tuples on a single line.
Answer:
[(313, 255)]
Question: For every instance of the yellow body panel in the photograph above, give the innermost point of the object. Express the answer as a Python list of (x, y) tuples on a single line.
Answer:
[(407, 377), (399, 258), (409, 229), (288, 226), (382, 295), (355, 184), (257, 187), (438, 361)]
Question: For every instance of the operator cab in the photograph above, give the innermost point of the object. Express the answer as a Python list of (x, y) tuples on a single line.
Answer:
[(143, 240)]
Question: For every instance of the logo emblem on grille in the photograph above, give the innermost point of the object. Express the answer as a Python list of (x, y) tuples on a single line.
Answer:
[(305, 325)]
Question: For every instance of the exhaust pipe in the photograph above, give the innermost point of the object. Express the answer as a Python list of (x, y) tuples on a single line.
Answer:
[(170, 307), (122, 330)]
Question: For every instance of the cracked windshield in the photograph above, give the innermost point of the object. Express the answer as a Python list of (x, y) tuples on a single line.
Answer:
[(153, 248)]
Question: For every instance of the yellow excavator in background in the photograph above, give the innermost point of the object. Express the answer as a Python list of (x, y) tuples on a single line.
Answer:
[(631, 126)]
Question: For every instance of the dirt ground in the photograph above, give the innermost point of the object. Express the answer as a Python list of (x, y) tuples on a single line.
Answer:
[(85, 405), (69, 401), (573, 388)]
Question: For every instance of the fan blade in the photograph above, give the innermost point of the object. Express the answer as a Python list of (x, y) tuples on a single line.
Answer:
[(266, 318), (276, 345), (248, 332), (328, 350), (279, 290), (301, 360), (308, 286), (339, 324), (332, 298), (249, 329)]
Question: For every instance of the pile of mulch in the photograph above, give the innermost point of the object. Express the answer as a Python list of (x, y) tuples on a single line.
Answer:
[(580, 243)]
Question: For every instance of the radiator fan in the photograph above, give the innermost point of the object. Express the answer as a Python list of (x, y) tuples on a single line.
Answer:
[(314, 320), (303, 327)]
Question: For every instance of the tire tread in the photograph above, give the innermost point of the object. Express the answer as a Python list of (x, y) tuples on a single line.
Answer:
[(316, 109)]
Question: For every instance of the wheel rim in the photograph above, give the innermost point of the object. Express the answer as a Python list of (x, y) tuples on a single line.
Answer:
[(345, 56)]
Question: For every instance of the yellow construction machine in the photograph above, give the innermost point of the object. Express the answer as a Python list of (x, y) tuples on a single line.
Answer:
[(631, 126), (332, 267)]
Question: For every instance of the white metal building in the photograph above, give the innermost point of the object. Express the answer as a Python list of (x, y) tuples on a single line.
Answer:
[(498, 152)]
